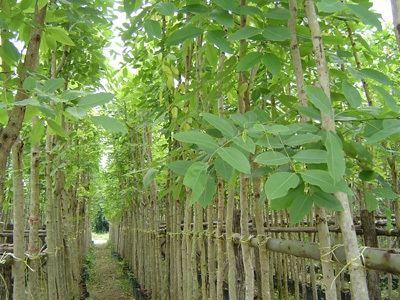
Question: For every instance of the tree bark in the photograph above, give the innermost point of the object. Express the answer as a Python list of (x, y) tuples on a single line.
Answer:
[(396, 19), (18, 268)]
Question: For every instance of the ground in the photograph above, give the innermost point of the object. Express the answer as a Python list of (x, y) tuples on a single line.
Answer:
[(107, 279)]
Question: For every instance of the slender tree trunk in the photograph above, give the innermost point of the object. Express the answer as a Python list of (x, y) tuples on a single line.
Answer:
[(33, 247), (18, 267), (230, 247), (396, 19), (10, 132), (357, 272)]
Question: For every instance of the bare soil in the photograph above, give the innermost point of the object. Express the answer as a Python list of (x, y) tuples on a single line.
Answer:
[(107, 279)]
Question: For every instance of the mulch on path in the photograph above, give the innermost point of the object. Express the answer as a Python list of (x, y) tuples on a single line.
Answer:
[(107, 279)]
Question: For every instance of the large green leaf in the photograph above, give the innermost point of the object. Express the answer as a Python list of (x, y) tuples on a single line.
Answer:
[(180, 166), (95, 100), (366, 16), (109, 123), (195, 9), (279, 184), (182, 34), (149, 176), (330, 6), (244, 33), (352, 95), (60, 35), (324, 181), (203, 140), (371, 201), (235, 158), (37, 132), (222, 17), (272, 158), (249, 60), (276, 33), (377, 75), (302, 139), (272, 62), (389, 100), (245, 142), (300, 207), (153, 28), (76, 112), (336, 161), (385, 193), (225, 126), (286, 201), (225, 170), (208, 193), (196, 178), (52, 84), (311, 156), (56, 128), (390, 127), (165, 8), (217, 37), (11, 51), (320, 100), (228, 5), (278, 13), (327, 201)]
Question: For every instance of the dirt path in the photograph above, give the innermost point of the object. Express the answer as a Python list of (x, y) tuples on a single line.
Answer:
[(107, 280)]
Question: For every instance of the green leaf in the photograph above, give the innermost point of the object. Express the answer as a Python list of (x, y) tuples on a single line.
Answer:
[(228, 5), (352, 95), (320, 100), (376, 75), (286, 201), (153, 28), (368, 175), (385, 193), (76, 112), (196, 178), (208, 193), (203, 140), (149, 176), (194, 9), (11, 51), (109, 124), (25, 102), (272, 158), (235, 158), (56, 128), (389, 100), (371, 201), (336, 161), (301, 139), (222, 17), (51, 85), (95, 100), (225, 126), (323, 180), (279, 184), (276, 33), (181, 35), (327, 201), (390, 127), (165, 8), (311, 156), (278, 13), (225, 170), (180, 166), (244, 33), (367, 17), (330, 6), (69, 95), (245, 143), (37, 132), (60, 35), (249, 60), (247, 10), (300, 207), (30, 84), (217, 37), (272, 63)]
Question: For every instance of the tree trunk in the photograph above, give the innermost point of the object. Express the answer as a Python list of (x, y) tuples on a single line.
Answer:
[(18, 268), (396, 19)]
